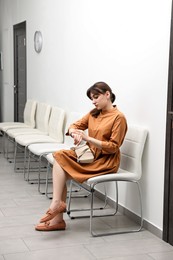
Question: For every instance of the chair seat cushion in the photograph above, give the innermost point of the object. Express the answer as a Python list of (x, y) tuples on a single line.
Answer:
[(5, 128), (25, 140), (118, 176), (42, 148), (13, 133)]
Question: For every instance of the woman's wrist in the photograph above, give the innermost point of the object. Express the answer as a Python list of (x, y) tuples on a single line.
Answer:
[(95, 142), (89, 140)]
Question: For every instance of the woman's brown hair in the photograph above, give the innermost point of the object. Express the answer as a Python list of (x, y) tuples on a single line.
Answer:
[(96, 89)]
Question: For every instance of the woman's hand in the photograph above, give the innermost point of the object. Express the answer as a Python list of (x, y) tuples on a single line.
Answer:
[(78, 136)]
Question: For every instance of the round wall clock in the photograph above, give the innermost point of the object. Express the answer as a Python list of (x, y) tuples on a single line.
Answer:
[(38, 41)]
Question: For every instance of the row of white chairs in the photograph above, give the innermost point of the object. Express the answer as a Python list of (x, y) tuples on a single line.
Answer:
[(49, 136), (41, 136)]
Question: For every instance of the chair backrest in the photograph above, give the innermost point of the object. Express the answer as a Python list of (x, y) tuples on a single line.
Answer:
[(56, 123), (132, 150), (71, 118), (42, 117), (29, 113)]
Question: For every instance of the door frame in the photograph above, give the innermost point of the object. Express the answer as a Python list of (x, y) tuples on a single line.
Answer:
[(168, 181), (16, 28)]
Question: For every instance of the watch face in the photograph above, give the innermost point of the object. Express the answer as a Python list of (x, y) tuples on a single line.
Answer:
[(38, 41)]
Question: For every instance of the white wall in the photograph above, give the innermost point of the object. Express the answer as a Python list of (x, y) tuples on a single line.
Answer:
[(124, 43)]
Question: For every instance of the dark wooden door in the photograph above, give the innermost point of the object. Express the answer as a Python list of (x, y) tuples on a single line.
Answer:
[(168, 188), (19, 71)]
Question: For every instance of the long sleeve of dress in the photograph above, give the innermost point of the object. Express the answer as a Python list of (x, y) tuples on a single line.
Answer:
[(118, 132)]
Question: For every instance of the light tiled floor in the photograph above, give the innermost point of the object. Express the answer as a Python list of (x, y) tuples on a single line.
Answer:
[(21, 206)]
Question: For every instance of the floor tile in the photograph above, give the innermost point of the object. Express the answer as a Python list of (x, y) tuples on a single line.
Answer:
[(128, 248), (162, 255), (134, 257), (22, 231), (62, 253), (12, 246)]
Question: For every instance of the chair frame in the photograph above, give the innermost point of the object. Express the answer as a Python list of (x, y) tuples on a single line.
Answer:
[(91, 189)]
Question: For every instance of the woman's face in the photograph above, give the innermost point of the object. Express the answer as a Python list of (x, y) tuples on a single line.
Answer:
[(101, 101)]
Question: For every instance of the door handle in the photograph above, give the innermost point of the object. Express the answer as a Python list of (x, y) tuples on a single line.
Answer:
[(15, 89), (170, 112)]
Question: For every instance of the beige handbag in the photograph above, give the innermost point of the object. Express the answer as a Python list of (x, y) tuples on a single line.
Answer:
[(84, 153)]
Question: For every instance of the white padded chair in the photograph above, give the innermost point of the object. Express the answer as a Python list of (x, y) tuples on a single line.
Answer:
[(130, 171), (55, 132), (42, 125), (29, 121), (29, 117), (39, 145), (42, 149)]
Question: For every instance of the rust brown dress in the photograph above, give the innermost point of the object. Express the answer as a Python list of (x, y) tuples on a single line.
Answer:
[(110, 127)]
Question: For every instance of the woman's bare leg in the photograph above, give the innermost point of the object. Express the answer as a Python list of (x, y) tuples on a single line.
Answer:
[(59, 217), (59, 190), (59, 193), (59, 184)]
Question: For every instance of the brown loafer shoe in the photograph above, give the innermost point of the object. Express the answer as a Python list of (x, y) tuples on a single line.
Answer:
[(47, 227), (50, 214)]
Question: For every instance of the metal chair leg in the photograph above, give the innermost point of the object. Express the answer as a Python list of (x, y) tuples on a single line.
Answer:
[(39, 173), (15, 154), (27, 169), (4, 144), (47, 179)]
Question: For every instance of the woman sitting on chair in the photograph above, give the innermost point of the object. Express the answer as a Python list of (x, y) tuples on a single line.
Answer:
[(107, 127)]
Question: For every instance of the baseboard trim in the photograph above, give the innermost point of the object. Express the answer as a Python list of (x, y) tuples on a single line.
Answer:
[(147, 225)]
